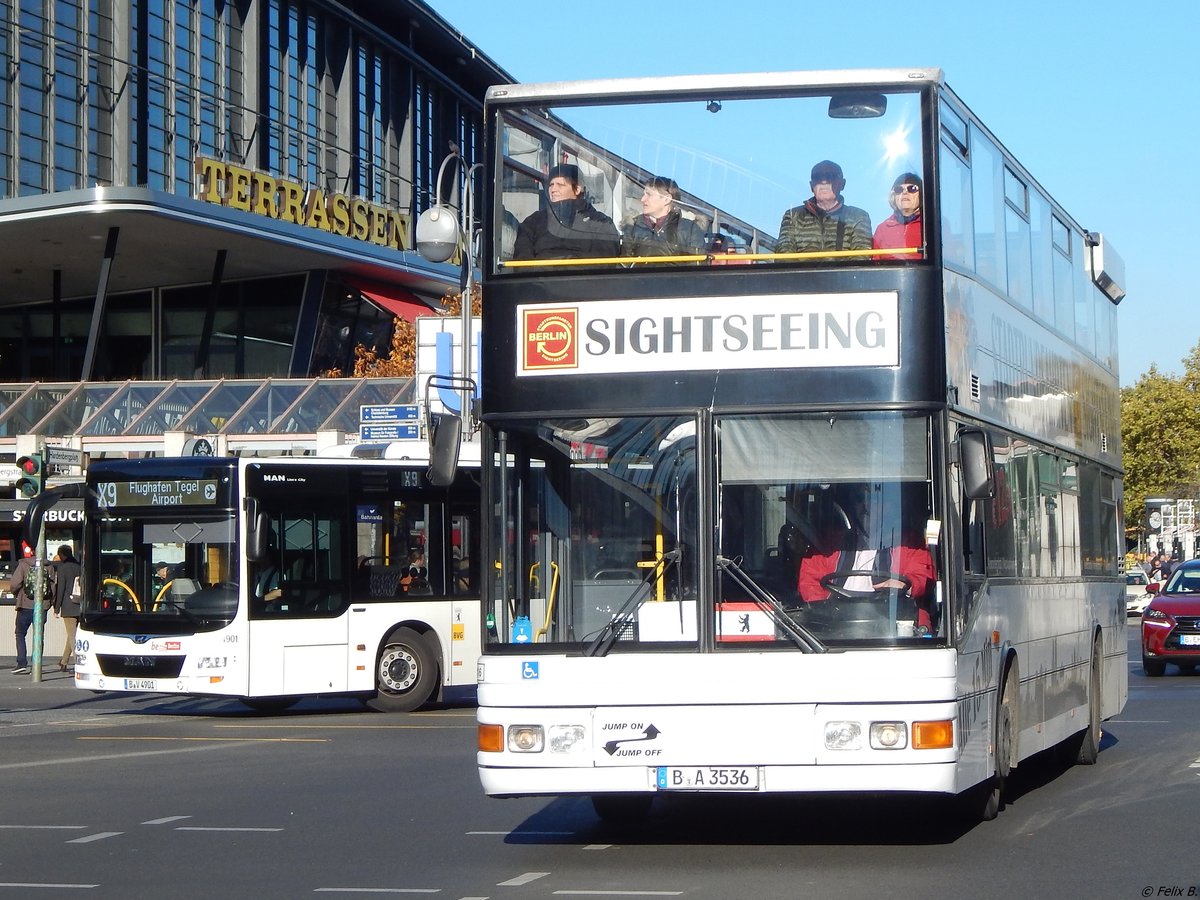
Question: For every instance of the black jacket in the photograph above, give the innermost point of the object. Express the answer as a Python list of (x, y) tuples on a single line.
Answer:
[(568, 229), (674, 236), (64, 605)]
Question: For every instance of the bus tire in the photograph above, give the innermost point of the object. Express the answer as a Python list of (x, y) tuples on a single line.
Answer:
[(983, 802), (1084, 748), (406, 673), (622, 809)]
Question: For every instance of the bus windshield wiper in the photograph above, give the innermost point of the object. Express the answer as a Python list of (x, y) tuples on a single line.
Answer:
[(766, 601), (603, 642)]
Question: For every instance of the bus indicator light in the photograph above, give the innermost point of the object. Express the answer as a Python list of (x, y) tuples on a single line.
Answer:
[(933, 735), (491, 738)]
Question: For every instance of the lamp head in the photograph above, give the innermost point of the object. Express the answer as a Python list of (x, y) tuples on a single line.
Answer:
[(437, 233)]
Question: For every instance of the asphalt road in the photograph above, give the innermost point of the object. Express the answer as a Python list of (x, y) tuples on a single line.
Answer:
[(134, 796)]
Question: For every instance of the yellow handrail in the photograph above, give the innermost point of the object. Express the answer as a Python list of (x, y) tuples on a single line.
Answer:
[(550, 602), (137, 604)]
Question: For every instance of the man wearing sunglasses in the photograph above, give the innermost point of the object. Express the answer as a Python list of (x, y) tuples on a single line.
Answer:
[(902, 229), (824, 222)]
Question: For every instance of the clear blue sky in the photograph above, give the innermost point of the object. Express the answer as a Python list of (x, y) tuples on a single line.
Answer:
[(1100, 101)]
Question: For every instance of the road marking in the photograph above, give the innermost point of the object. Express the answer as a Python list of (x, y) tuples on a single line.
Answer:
[(165, 820), (34, 884), (121, 756), (522, 879), (597, 847), (98, 836), (350, 890), (618, 893), (48, 827), (214, 828), (202, 740), (354, 727)]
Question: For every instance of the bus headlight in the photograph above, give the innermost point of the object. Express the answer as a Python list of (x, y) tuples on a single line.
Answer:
[(889, 735), (526, 738), (843, 736), (565, 738)]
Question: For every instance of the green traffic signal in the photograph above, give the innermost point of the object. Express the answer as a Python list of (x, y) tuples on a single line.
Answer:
[(32, 479)]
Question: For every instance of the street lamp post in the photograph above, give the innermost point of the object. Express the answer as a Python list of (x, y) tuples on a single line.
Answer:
[(439, 234)]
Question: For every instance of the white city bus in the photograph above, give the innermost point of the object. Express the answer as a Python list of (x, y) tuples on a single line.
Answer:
[(830, 514), (278, 578)]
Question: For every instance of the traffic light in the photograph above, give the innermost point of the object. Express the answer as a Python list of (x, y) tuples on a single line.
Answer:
[(33, 475)]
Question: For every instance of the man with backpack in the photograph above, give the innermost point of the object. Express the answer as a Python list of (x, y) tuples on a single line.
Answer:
[(23, 595)]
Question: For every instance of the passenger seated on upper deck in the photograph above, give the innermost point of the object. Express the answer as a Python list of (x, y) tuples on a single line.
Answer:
[(903, 227), (569, 227), (823, 221), (661, 229)]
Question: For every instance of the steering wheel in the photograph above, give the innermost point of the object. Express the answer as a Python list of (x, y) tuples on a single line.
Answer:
[(835, 583), (126, 588)]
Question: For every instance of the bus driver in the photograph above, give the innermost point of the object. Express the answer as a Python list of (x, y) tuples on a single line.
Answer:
[(861, 554)]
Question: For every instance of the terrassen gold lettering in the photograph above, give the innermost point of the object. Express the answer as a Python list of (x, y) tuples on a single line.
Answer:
[(237, 187)]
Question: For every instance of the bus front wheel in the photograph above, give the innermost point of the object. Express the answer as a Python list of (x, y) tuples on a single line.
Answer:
[(406, 675), (983, 802)]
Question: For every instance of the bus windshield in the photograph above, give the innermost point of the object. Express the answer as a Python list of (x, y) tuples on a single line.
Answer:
[(177, 571), (710, 180), (825, 523)]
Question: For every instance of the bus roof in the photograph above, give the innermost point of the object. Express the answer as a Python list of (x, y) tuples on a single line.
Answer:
[(707, 85)]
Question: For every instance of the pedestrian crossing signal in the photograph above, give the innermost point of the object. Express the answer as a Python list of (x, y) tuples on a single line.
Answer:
[(32, 479)]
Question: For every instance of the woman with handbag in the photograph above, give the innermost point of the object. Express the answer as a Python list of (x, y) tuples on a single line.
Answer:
[(67, 597)]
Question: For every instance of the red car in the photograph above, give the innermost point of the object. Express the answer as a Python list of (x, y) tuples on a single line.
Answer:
[(1171, 623)]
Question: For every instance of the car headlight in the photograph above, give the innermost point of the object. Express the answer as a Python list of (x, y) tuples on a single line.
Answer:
[(1156, 614)]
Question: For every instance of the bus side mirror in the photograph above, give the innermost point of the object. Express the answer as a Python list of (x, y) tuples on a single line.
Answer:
[(445, 435), (977, 464), (258, 530)]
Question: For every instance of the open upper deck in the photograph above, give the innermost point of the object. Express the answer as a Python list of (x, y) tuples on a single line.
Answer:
[(756, 198)]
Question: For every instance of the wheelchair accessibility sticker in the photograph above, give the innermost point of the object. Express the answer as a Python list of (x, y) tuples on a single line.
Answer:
[(529, 671)]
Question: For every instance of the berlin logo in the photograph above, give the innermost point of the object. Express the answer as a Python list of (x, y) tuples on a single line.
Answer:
[(550, 338)]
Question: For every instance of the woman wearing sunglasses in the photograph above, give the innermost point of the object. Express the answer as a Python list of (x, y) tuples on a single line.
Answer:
[(902, 229)]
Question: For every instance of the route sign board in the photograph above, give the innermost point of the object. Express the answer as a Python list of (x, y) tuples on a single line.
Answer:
[(403, 412), (388, 431)]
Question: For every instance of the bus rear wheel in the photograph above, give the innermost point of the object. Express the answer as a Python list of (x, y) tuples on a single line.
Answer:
[(406, 674), (1083, 748)]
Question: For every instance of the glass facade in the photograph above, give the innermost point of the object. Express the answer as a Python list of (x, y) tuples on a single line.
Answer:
[(132, 93)]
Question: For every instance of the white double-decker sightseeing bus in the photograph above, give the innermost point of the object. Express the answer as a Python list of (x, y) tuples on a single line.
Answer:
[(802, 441), (277, 578)]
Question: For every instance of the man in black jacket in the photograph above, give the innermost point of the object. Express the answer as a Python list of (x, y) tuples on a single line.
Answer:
[(569, 227)]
